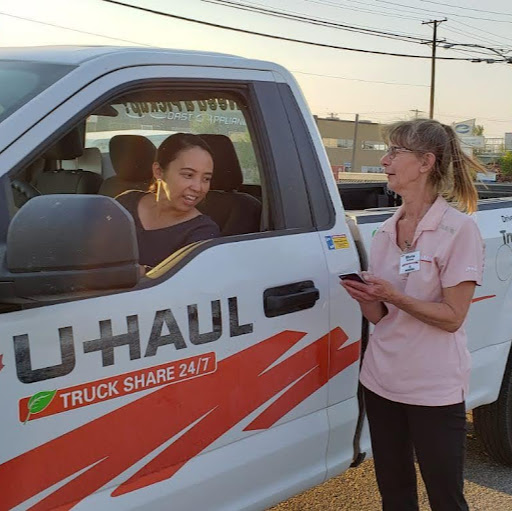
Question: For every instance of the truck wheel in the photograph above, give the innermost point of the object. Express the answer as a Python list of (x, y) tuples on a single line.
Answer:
[(493, 422)]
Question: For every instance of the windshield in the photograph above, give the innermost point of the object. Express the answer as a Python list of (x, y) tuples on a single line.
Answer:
[(22, 81)]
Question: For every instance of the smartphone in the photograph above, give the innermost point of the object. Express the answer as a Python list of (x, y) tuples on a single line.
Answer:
[(352, 276)]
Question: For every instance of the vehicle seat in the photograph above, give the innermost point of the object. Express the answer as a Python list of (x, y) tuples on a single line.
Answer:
[(132, 158), (235, 212), (89, 160), (68, 181), (61, 180)]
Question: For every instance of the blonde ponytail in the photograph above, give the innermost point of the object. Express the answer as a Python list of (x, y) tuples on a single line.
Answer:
[(453, 173), (464, 170)]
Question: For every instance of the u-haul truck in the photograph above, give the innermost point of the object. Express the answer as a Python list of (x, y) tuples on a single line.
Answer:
[(227, 377)]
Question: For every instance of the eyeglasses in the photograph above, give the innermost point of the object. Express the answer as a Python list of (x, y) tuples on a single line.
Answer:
[(393, 150)]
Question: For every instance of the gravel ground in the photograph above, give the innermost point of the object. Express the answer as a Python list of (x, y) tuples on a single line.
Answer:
[(488, 487)]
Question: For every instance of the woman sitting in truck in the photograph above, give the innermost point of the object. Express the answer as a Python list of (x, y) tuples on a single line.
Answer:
[(424, 264), (166, 218)]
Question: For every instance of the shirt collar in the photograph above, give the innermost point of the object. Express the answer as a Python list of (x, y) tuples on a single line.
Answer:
[(430, 222)]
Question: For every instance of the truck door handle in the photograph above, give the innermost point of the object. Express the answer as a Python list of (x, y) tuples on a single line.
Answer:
[(290, 298)]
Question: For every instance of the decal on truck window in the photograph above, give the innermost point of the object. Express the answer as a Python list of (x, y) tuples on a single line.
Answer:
[(194, 414), (228, 111), (107, 341), (139, 108), (93, 392)]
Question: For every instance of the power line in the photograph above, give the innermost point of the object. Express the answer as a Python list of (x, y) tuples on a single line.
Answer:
[(292, 15), (72, 29), (315, 21), (463, 51), (280, 38), (459, 32), (380, 13), (143, 44), (229, 28), (294, 71), (338, 6), (444, 4), (480, 30), (359, 80), (387, 2)]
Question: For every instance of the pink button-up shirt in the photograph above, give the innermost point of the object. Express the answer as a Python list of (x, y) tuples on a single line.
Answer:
[(407, 360)]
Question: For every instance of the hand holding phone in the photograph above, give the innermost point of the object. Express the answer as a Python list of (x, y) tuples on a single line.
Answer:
[(352, 276)]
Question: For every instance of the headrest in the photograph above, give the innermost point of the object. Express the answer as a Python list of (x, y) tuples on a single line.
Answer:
[(90, 160), (132, 157), (227, 174), (68, 147)]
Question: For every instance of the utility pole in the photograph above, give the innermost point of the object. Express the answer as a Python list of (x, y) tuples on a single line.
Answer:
[(434, 23)]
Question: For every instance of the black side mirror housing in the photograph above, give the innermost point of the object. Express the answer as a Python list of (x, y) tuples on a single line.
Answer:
[(68, 245)]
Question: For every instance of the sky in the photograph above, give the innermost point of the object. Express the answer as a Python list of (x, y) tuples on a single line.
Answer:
[(380, 88)]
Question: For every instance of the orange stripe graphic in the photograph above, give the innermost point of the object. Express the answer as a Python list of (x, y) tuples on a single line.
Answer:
[(480, 298), (111, 444)]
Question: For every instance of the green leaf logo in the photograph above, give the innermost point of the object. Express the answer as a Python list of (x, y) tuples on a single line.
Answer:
[(38, 402)]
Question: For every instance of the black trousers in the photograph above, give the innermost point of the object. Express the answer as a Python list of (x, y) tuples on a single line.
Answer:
[(437, 434)]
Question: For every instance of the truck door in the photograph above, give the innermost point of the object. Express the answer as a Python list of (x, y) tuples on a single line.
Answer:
[(341, 256), (205, 385)]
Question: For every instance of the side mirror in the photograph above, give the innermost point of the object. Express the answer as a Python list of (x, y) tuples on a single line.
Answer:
[(59, 245)]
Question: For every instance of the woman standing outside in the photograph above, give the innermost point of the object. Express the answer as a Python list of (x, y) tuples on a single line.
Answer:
[(424, 264), (166, 217)]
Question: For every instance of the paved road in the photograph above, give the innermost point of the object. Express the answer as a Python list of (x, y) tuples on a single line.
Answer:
[(488, 487)]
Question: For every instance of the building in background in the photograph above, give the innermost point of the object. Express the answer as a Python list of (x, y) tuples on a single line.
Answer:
[(358, 146), (352, 146), (508, 141)]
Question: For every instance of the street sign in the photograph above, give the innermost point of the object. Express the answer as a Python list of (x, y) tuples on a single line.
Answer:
[(464, 128)]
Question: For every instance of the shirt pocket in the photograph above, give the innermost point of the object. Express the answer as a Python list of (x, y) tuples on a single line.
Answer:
[(425, 284)]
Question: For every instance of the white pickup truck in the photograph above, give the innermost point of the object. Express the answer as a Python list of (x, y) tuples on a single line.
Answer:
[(227, 377)]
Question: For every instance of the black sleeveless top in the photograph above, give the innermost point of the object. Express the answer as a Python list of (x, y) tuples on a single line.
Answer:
[(157, 244)]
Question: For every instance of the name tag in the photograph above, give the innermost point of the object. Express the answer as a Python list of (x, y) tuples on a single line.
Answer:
[(409, 262)]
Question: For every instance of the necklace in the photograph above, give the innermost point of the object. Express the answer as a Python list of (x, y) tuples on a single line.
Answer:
[(407, 245)]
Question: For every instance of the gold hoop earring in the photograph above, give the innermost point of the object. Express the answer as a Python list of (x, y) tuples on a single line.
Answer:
[(158, 189)]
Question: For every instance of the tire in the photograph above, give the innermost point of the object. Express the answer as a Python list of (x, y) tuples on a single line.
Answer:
[(493, 422)]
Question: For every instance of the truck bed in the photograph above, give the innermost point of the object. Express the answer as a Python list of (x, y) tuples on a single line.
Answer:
[(361, 194)]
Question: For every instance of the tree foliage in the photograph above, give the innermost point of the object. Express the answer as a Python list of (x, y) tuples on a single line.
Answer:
[(478, 130), (506, 163)]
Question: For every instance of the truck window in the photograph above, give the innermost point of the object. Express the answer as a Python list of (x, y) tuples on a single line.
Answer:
[(22, 81), (155, 117), (81, 161)]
